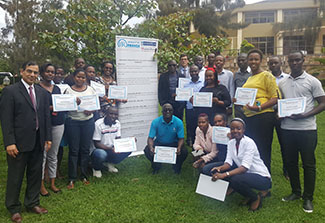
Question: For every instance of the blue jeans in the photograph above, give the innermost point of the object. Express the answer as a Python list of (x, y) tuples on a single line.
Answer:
[(80, 134), (99, 156)]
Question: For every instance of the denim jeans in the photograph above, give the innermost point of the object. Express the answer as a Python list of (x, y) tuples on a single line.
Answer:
[(99, 156), (303, 142), (80, 134)]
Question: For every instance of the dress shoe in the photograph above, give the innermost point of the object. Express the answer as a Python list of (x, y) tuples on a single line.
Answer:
[(257, 204), (291, 197), (16, 217), (37, 210), (70, 185), (308, 206)]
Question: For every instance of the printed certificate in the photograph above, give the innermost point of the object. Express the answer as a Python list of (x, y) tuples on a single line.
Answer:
[(99, 88), (214, 189), (117, 92), (63, 87), (219, 135), (245, 96), (165, 154), (290, 106), (89, 103), (64, 102), (197, 153), (202, 99), (125, 145), (183, 81), (183, 94)]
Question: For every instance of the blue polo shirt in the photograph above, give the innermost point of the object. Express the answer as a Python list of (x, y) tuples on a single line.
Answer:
[(166, 133)]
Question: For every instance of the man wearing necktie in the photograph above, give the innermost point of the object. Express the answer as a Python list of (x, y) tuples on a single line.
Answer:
[(26, 128)]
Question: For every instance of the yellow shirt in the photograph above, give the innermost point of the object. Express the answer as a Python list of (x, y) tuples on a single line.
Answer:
[(266, 87)]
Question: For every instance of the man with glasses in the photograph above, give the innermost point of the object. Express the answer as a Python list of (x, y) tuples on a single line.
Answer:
[(168, 82), (166, 130)]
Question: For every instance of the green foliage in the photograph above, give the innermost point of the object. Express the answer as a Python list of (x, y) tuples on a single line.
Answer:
[(175, 38), (246, 46), (88, 28)]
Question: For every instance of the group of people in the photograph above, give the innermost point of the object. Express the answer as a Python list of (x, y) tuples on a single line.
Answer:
[(34, 134), (246, 161)]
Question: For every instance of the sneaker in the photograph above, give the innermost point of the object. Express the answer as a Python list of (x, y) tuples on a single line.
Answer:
[(97, 173), (291, 197), (111, 167), (308, 206)]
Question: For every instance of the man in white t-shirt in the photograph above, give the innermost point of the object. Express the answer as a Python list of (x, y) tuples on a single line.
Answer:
[(106, 130)]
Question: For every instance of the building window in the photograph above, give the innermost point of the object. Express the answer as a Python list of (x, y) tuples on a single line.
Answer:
[(265, 44), (259, 17), (296, 43), (292, 14)]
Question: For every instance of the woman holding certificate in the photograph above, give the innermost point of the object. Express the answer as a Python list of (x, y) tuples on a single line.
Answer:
[(221, 97), (80, 129), (260, 115), (250, 172), (47, 72)]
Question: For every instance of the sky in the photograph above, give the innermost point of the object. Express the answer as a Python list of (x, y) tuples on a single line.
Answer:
[(2, 13)]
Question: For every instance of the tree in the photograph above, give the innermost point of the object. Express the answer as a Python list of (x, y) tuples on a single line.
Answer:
[(88, 28), (175, 38), (23, 21)]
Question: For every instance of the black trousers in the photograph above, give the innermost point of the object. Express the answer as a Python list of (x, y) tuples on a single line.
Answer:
[(191, 123), (32, 163), (260, 128), (179, 160), (279, 133), (178, 107), (303, 142)]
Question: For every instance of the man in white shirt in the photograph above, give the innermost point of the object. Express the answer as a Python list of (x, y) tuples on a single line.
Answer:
[(107, 129)]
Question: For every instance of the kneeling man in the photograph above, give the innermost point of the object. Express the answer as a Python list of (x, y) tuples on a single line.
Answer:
[(106, 130), (166, 130)]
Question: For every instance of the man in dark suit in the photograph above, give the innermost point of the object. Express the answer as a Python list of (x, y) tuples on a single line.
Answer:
[(168, 82), (26, 128)]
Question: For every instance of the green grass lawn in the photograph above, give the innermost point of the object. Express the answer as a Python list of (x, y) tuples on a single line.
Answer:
[(135, 195)]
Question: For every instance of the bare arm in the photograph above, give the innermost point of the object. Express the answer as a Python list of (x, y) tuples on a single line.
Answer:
[(317, 109)]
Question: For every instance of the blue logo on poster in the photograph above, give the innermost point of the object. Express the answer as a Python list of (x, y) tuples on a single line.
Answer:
[(128, 44), (147, 43)]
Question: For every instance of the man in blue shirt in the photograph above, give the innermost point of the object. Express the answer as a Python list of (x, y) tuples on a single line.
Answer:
[(166, 130)]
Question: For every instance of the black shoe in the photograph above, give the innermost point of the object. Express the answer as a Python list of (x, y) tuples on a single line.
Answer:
[(308, 206), (291, 197)]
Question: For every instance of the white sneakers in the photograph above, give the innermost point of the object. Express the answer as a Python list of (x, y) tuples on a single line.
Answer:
[(97, 173), (111, 167)]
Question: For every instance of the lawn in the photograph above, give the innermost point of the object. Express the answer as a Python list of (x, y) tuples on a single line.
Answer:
[(135, 195)]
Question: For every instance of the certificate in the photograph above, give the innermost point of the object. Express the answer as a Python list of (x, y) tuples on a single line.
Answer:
[(245, 96), (214, 189), (64, 102), (202, 99), (219, 135), (89, 103), (99, 88), (183, 81), (183, 94), (63, 87), (117, 92), (165, 154), (291, 106), (125, 145), (197, 153)]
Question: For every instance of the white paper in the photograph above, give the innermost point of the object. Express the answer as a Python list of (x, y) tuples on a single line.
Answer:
[(290, 106), (64, 102), (197, 153), (89, 103), (117, 92), (164, 154), (245, 96), (214, 189), (125, 145), (63, 87), (202, 99), (183, 81), (219, 135), (183, 94), (99, 88)]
